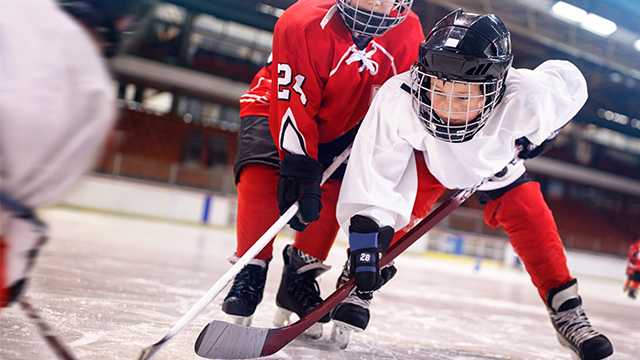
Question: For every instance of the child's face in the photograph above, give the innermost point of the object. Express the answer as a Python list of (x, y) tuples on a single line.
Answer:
[(456, 102), (379, 6)]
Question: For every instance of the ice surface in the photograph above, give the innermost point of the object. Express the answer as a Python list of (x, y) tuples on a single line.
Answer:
[(112, 285)]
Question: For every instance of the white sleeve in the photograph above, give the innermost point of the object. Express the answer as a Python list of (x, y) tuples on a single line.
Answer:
[(381, 177), (559, 90)]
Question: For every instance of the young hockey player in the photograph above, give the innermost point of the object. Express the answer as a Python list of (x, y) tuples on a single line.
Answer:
[(257, 175), (452, 120), (329, 59), (633, 271), (57, 105), (323, 49)]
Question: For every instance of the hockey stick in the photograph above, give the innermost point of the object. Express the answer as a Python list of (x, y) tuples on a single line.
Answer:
[(57, 346), (222, 340), (216, 288)]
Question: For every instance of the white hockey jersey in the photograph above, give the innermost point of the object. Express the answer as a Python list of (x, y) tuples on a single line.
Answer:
[(57, 101), (381, 178)]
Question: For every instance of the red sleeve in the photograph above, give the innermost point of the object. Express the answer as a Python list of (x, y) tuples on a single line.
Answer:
[(632, 250), (296, 88), (256, 100), (632, 257)]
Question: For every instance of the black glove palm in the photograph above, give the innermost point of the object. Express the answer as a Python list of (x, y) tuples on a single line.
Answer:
[(300, 178)]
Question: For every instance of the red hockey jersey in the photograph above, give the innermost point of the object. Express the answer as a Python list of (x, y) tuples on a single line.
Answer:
[(255, 102), (322, 84), (634, 258)]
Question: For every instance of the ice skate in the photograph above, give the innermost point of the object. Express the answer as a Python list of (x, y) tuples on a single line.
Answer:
[(299, 292), (350, 315), (246, 292), (573, 328)]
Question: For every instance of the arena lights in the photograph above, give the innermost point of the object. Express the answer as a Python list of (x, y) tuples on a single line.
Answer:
[(588, 21), (568, 12), (618, 118), (270, 10), (599, 25), (637, 45)]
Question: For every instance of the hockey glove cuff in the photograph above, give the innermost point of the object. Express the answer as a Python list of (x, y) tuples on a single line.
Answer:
[(367, 242), (529, 150)]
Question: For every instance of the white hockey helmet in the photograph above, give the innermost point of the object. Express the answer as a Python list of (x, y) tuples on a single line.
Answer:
[(373, 17)]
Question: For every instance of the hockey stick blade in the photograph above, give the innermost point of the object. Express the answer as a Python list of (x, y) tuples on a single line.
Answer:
[(222, 340)]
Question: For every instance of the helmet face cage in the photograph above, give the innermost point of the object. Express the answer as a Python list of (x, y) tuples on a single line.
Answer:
[(364, 21), (444, 121)]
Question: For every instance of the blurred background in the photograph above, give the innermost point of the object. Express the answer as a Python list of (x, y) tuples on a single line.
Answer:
[(181, 69)]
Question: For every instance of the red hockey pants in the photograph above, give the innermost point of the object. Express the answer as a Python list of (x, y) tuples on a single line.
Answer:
[(258, 210), (523, 213)]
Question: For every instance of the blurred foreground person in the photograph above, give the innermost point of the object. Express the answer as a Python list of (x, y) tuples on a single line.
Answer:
[(633, 271), (57, 105)]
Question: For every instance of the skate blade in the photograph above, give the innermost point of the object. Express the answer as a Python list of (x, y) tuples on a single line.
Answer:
[(314, 332), (282, 317), (241, 320), (564, 343), (341, 333)]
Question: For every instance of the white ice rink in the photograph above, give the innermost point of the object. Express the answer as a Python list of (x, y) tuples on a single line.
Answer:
[(112, 285)]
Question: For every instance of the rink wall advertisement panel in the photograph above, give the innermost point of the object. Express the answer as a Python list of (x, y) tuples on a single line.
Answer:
[(123, 196)]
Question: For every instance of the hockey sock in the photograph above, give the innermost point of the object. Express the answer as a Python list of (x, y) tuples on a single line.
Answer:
[(257, 207), (316, 240)]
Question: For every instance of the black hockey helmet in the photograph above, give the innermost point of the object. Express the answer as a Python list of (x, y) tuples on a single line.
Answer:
[(462, 49), (373, 17)]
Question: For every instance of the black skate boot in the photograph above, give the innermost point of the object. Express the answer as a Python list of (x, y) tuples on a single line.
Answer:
[(246, 292), (350, 315), (572, 325), (299, 292), (632, 293)]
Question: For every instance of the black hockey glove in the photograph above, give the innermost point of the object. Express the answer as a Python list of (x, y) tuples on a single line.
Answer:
[(529, 150), (367, 242), (300, 178)]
